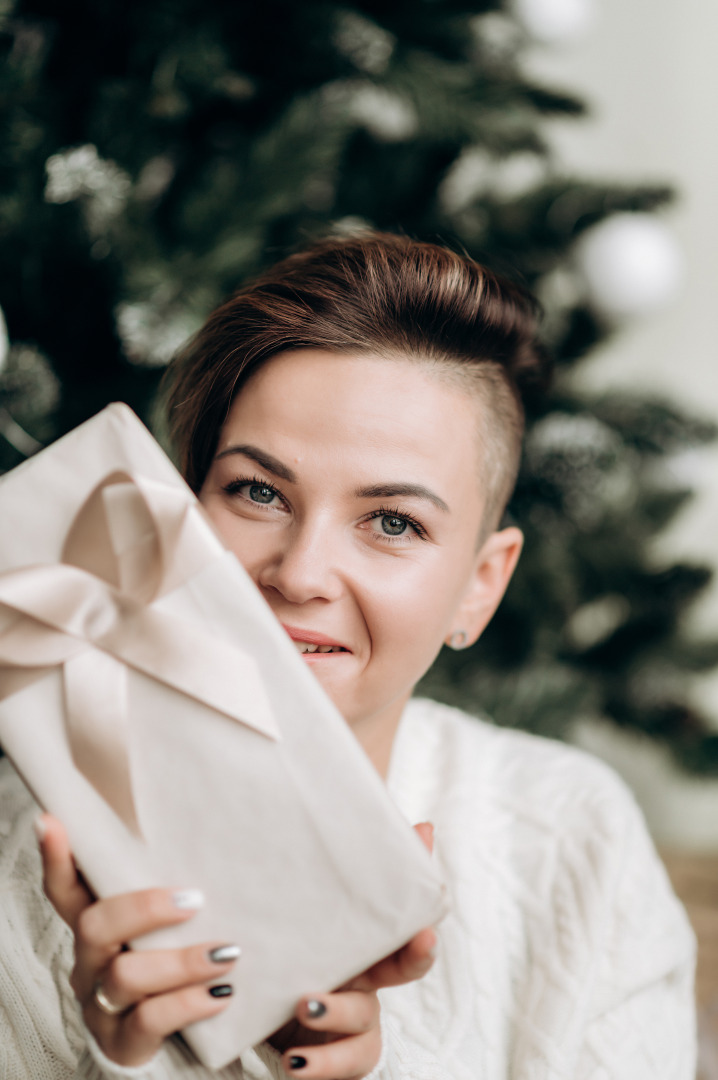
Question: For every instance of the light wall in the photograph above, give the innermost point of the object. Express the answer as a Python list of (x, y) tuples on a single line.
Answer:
[(649, 72)]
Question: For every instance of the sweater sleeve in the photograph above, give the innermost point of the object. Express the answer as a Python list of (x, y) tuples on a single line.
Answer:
[(641, 1023), (402, 1060), (175, 1061), (42, 1036), (611, 987)]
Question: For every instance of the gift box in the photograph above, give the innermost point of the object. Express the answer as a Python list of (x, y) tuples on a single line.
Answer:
[(151, 701)]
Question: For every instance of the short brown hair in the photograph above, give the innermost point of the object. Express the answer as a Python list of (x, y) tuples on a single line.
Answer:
[(372, 294)]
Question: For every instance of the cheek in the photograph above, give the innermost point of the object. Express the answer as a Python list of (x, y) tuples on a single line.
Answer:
[(236, 536), (412, 608)]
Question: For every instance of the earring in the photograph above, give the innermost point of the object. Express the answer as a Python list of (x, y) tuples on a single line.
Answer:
[(458, 640)]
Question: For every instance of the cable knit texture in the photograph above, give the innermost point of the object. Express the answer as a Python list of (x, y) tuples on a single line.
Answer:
[(565, 955)]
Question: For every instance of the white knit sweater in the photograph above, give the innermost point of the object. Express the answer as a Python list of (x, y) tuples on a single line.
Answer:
[(565, 955)]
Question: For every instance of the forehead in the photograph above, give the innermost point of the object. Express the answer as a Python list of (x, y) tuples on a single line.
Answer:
[(397, 404)]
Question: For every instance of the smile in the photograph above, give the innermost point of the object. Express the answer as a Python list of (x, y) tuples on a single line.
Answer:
[(305, 647), (311, 643)]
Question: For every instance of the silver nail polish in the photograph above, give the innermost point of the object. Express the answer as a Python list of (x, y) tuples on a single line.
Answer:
[(224, 953), (188, 899)]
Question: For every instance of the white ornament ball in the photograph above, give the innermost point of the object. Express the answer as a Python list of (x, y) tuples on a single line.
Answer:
[(553, 22), (630, 264)]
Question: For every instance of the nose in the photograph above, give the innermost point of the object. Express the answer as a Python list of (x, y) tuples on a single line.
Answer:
[(303, 565)]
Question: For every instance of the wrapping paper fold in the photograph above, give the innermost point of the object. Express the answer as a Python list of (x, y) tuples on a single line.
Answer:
[(152, 702)]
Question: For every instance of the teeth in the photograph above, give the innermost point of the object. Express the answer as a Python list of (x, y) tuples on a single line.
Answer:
[(305, 647)]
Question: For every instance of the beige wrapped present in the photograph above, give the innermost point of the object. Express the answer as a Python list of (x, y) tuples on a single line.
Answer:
[(152, 702)]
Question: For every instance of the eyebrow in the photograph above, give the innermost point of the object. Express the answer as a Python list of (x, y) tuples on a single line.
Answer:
[(375, 491), (263, 459), (388, 491)]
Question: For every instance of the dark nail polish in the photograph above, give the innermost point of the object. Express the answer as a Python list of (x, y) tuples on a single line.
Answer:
[(315, 1009), (224, 953), (223, 990), (297, 1061)]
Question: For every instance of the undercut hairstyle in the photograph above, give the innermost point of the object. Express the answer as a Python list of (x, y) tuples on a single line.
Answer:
[(380, 295)]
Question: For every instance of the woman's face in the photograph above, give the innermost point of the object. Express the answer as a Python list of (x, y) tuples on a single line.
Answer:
[(349, 488)]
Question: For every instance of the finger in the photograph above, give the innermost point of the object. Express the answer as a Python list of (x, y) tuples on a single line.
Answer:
[(136, 1037), (133, 976), (103, 927), (425, 831), (355, 1056), (406, 965), (350, 1012), (63, 887)]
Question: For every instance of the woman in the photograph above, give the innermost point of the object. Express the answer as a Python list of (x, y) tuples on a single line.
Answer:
[(351, 423)]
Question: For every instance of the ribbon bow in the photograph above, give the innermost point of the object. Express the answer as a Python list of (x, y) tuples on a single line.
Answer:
[(132, 542)]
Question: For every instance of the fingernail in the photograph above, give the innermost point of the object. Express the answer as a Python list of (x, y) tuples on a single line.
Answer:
[(222, 990), (40, 828), (224, 953), (315, 1009), (188, 899), (296, 1061)]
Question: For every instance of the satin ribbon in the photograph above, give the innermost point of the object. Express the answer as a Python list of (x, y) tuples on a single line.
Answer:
[(131, 542)]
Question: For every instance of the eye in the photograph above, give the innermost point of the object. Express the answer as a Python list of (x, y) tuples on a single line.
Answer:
[(391, 524), (260, 493), (257, 492)]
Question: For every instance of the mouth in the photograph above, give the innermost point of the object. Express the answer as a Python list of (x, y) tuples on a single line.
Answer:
[(310, 643)]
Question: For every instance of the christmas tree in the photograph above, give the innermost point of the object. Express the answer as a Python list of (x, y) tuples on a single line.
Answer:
[(156, 153)]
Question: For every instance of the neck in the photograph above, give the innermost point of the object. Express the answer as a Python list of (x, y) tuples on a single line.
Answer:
[(376, 733)]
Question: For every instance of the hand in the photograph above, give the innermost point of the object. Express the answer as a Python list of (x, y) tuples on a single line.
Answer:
[(157, 992), (337, 1036)]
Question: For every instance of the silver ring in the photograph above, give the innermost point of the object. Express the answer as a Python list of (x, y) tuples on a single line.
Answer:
[(103, 1002)]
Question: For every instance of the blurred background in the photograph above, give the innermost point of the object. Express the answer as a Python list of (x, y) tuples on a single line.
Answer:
[(154, 154)]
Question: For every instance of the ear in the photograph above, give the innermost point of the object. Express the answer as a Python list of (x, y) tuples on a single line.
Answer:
[(495, 563)]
